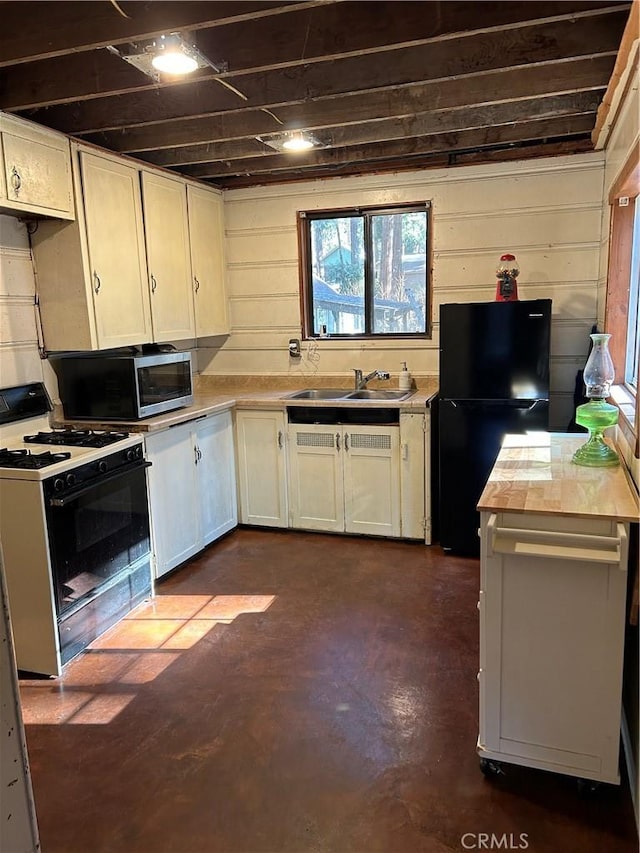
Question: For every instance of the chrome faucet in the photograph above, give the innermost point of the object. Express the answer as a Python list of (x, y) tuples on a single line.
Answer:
[(361, 381)]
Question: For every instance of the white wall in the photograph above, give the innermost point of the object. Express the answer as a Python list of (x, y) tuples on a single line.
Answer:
[(19, 359), (547, 211)]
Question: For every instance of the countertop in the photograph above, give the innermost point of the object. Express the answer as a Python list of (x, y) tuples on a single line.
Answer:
[(210, 400), (534, 474)]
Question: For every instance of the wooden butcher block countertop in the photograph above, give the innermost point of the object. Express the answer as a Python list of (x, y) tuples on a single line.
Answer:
[(534, 474)]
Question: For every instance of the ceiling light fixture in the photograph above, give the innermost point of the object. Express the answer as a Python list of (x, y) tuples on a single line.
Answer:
[(292, 141), (298, 141), (174, 54)]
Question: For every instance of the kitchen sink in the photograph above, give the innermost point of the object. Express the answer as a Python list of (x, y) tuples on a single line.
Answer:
[(371, 394), (319, 394), (343, 394)]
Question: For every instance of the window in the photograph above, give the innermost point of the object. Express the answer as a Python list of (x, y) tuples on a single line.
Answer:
[(365, 272), (622, 304), (633, 327)]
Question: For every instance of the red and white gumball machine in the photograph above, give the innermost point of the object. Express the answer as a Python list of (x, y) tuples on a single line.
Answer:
[(507, 272)]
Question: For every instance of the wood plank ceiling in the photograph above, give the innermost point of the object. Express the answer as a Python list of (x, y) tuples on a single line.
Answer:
[(381, 85)]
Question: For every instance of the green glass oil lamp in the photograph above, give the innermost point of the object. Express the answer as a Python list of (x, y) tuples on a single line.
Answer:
[(597, 415)]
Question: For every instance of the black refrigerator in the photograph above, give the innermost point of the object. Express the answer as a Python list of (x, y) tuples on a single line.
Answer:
[(494, 380)]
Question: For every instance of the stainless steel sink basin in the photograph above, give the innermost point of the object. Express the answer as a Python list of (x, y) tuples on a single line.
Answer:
[(319, 394), (371, 394)]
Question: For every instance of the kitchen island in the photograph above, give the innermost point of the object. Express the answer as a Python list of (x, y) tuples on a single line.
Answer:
[(554, 554)]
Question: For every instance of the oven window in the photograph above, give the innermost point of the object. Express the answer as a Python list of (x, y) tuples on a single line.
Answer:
[(101, 519), (161, 382), (97, 536)]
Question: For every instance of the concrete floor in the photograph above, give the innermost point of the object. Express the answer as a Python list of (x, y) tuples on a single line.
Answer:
[(294, 692)]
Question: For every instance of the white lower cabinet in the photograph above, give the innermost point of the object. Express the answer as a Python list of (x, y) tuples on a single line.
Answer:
[(345, 478), (262, 468), (192, 488), (552, 617)]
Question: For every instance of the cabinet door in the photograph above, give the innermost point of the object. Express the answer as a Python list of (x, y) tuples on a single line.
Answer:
[(37, 169), (316, 488), (414, 476), (116, 251), (206, 230), (167, 237), (262, 472), (552, 638), (173, 497), (216, 476), (372, 480)]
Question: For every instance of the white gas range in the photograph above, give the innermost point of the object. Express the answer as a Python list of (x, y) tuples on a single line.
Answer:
[(74, 526)]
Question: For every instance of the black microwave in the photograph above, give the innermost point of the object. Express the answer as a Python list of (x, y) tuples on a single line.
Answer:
[(125, 386)]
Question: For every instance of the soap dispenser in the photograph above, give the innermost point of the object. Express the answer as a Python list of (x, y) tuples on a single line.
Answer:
[(405, 378)]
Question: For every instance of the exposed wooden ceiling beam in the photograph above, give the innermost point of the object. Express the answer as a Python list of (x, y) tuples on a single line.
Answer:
[(626, 60), (316, 34), (383, 85), (396, 102), (427, 161), (29, 32), (416, 146), (484, 52), (422, 124)]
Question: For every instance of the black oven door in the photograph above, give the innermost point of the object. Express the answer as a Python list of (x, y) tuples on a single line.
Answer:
[(98, 534)]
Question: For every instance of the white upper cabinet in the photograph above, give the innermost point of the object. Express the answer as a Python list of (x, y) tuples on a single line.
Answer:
[(36, 170), (168, 257), (206, 229), (116, 251), (92, 273)]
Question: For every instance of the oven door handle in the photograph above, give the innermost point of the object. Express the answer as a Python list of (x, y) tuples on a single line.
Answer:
[(67, 497)]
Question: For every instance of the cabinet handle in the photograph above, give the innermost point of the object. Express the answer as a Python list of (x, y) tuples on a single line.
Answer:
[(16, 180), (97, 284), (280, 439), (405, 452), (154, 284), (346, 441), (196, 454), (554, 543), (337, 441), (197, 284)]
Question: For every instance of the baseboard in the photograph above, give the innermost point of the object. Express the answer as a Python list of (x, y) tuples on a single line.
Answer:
[(632, 770)]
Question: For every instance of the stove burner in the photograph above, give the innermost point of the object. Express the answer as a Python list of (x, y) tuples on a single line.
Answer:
[(76, 438), (27, 459)]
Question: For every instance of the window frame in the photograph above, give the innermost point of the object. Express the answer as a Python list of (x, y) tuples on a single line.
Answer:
[(631, 378), (624, 198), (304, 219)]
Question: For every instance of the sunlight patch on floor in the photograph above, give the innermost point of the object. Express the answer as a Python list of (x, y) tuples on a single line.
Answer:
[(132, 653)]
